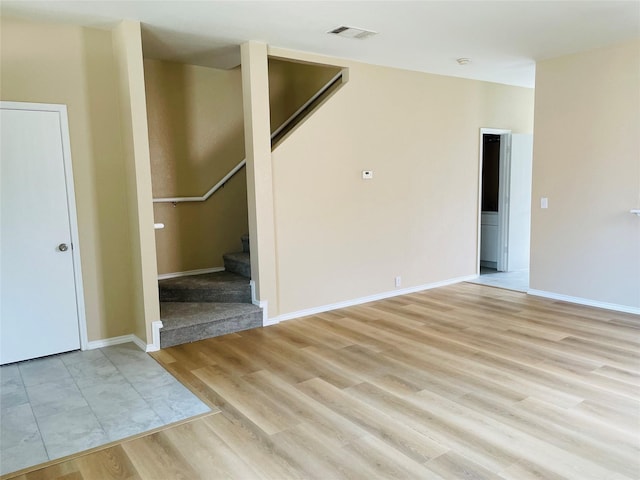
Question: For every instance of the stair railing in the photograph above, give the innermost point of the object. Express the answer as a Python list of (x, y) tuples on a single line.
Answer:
[(211, 191), (280, 132), (292, 121)]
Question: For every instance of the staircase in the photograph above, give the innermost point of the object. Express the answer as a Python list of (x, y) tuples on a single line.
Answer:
[(196, 307), (209, 305)]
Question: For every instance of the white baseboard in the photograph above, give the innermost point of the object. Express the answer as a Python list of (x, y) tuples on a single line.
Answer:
[(367, 299), (152, 347), (139, 343), (584, 301), (155, 336), (201, 271), (265, 312), (263, 304), (108, 342)]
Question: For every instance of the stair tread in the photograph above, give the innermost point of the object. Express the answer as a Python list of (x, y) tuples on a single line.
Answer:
[(207, 280), (243, 257), (176, 315), (238, 262)]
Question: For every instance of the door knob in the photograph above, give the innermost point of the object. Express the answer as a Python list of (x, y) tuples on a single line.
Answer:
[(63, 247)]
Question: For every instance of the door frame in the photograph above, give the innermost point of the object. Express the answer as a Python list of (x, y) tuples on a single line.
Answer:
[(65, 138), (503, 197)]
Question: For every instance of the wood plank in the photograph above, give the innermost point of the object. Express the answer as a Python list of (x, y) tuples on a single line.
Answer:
[(207, 454), (109, 464), (464, 381), (376, 422), (255, 406), (255, 447), (156, 457)]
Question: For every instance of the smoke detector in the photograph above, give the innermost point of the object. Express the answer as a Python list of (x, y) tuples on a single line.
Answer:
[(352, 32)]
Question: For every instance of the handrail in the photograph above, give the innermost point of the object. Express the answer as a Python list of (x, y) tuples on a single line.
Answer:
[(211, 191), (240, 165), (306, 104)]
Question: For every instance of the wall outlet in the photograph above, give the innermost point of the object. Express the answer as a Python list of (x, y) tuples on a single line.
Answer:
[(398, 281), (367, 174)]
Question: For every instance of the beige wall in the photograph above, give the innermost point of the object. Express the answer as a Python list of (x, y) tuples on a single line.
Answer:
[(587, 162), (195, 115), (127, 46), (291, 84), (340, 237), (196, 136), (75, 66)]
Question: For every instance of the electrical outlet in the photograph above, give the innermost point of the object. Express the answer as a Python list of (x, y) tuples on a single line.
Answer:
[(367, 174), (398, 281)]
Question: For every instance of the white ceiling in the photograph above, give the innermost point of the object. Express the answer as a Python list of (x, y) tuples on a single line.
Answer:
[(503, 39)]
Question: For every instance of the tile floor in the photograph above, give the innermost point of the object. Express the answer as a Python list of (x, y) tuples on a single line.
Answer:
[(63, 404), (517, 280)]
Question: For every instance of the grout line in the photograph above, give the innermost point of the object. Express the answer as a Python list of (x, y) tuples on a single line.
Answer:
[(35, 418), (129, 361), (136, 390), (98, 448), (89, 403)]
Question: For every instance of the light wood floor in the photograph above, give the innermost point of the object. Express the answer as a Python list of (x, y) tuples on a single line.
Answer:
[(460, 382)]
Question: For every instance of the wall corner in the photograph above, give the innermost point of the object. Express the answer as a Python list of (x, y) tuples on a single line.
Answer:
[(257, 134), (127, 46)]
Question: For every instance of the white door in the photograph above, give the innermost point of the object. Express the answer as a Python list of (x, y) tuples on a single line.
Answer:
[(38, 306), (520, 201)]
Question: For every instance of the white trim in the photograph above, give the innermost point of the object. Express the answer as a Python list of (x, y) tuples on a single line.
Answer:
[(71, 204), (155, 335), (108, 342), (263, 304), (370, 298), (211, 191), (201, 271), (139, 343), (584, 301), (73, 221), (493, 131), (484, 131), (504, 201)]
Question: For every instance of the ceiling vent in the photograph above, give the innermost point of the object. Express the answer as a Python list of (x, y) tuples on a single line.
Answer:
[(352, 32)]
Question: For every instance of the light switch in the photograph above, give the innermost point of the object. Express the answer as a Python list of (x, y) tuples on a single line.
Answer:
[(544, 202), (367, 174)]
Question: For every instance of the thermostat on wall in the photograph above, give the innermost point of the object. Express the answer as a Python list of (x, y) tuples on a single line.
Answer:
[(367, 174)]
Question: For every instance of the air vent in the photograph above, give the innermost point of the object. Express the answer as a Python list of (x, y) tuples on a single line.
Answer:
[(352, 32)]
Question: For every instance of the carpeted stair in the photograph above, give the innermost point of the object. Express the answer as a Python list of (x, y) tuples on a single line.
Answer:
[(239, 262), (203, 306), (223, 287)]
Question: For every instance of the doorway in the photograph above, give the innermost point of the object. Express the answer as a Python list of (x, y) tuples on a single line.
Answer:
[(504, 208), (41, 301)]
